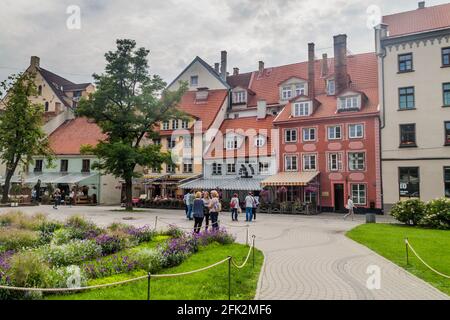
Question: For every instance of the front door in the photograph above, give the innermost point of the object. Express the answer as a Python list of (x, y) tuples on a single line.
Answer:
[(339, 198)]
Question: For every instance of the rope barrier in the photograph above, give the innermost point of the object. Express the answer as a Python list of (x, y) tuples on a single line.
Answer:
[(148, 276), (246, 259), (426, 264)]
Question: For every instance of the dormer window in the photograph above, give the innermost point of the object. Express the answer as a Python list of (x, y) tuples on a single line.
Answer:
[(331, 87), (231, 142), (301, 109), (175, 124), (184, 124), (286, 93), (194, 81), (349, 103), (239, 97), (300, 89)]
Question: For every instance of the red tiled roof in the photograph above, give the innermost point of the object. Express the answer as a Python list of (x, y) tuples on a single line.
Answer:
[(240, 80), (206, 111), (419, 20), (362, 69), (244, 126), (71, 135)]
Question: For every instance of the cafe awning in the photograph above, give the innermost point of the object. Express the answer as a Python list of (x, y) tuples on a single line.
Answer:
[(245, 184), (56, 177), (290, 179)]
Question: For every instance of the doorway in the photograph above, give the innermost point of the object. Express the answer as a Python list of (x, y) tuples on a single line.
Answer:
[(339, 198)]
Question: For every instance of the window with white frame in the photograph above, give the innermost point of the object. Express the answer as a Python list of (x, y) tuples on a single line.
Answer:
[(187, 167), (217, 169), (286, 92), (300, 89), (239, 97), (170, 168), (290, 163), (331, 87), (302, 109), (356, 161), (260, 141), (334, 133), (309, 134), (231, 142), (356, 131), (187, 141), (349, 103), (184, 124), (334, 161), (309, 162), (263, 167), (194, 81), (359, 194), (310, 197), (290, 135), (165, 125), (231, 168), (175, 124)]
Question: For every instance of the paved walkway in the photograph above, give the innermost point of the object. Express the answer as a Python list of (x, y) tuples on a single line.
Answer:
[(306, 257)]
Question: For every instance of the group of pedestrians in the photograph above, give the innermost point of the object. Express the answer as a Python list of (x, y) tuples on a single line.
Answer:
[(203, 206)]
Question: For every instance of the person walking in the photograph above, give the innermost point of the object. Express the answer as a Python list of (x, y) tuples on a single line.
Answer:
[(198, 211), (57, 198), (234, 205), (206, 202), (249, 203), (191, 199), (351, 208), (214, 209), (255, 205), (72, 197), (185, 201)]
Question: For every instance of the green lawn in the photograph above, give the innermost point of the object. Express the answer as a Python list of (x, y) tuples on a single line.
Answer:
[(209, 284), (433, 246)]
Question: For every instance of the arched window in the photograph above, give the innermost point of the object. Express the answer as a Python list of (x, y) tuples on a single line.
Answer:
[(46, 106), (40, 90)]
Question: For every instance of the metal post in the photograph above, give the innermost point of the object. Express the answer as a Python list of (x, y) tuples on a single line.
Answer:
[(148, 286), (407, 253), (229, 278), (253, 249), (246, 237), (156, 222)]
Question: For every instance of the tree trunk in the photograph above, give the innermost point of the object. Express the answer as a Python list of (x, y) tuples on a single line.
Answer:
[(6, 187), (128, 193)]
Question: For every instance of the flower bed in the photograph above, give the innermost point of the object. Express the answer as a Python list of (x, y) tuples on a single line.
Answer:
[(47, 254)]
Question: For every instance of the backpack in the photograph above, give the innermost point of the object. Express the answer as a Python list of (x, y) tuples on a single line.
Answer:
[(232, 204), (218, 206)]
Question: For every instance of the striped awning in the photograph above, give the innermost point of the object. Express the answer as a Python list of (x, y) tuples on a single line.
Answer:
[(239, 184), (290, 179)]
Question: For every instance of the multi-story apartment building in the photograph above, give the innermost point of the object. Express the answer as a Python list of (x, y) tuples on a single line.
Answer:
[(67, 134), (413, 51), (329, 141), (205, 105)]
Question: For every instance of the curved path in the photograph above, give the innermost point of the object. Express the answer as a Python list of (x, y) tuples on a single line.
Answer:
[(306, 257)]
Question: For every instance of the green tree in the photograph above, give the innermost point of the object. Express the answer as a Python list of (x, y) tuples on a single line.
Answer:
[(21, 134), (127, 105)]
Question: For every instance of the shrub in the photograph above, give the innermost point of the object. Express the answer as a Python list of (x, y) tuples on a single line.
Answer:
[(176, 250), (221, 236), (150, 260), (110, 265), (19, 220), (70, 276), (437, 214), (174, 231), (409, 211), (110, 243), (74, 252), (15, 239), (82, 228), (135, 235), (28, 269)]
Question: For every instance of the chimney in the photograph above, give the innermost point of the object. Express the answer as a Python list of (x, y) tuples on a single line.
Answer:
[(340, 62), (223, 65), (235, 71), (217, 67), (311, 71), (261, 109), (381, 32), (261, 66), (324, 65), (34, 62), (421, 5)]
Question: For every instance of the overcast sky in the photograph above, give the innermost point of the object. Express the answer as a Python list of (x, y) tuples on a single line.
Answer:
[(175, 31)]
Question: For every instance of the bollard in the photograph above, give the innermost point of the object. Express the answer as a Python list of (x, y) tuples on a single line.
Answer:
[(156, 222), (229, 277), (148, 286)]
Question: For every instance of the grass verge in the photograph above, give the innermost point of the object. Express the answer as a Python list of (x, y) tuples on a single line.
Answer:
[(205, 285), (433, 246)]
